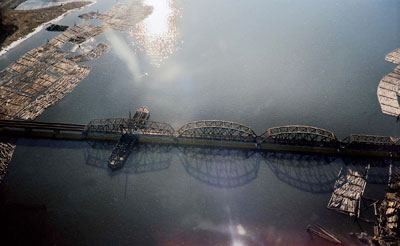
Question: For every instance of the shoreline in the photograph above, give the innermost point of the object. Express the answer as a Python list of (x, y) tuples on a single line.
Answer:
[(45, 75), (37, 29)]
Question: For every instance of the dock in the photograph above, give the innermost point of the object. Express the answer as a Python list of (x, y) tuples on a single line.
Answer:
[(348, 190)]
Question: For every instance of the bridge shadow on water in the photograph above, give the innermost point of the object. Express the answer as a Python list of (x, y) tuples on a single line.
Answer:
[(144, 158), (230, 168), (220, 167), (318, 173), (310, 173), (381, 171)]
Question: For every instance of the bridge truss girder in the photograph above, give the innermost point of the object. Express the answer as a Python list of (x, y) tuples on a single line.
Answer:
[(369, 139), (218, 130), (295, 134), (130, 126)]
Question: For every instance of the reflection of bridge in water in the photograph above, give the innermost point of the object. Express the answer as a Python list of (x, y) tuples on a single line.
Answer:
[(230, 168), (311, 173), (144, 158), (220, 167)]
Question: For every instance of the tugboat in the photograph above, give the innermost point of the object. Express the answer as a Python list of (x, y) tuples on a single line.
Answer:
[(142, 113)]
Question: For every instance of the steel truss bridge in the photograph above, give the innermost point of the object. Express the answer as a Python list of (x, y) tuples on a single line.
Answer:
[(232, 131), (211, 133)]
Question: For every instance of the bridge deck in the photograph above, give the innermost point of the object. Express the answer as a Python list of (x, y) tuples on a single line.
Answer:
[(162, 133)]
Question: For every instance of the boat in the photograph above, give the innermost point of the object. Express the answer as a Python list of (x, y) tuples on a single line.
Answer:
[(121, 151), (142, 113)]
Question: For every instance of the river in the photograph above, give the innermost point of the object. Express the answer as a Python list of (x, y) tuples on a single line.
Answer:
[(260, 63)]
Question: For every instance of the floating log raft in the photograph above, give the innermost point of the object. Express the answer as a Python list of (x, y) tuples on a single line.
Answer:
[(123, 17), (388, 229), (348, 189), (389, 87), (37, 80), (89, 15), (44, 75), (393, 56), (95, 53), (7, 147), (121, 151), (76, 34)]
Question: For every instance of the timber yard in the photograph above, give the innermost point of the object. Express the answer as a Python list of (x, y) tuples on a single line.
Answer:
[(242, 181)]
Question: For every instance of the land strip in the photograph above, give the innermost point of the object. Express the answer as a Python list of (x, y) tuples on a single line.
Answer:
[(18, 24), (44, 75)]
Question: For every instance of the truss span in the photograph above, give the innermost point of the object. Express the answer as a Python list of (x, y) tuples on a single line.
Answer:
[(130, 126), (360, 139), (297, 134), (217, 130)]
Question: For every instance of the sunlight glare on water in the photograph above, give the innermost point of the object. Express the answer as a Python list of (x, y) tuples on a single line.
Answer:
[(157, 34)]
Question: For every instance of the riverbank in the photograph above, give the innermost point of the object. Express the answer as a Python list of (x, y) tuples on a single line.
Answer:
[(9, 4), (18, 25)]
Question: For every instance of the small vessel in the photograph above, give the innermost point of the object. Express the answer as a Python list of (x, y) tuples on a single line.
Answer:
[(142, 113), (121, 151)]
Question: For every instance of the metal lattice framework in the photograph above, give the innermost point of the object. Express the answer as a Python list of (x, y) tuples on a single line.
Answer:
[(297, 134), (369, 140), (218, 130), (231, 131), (129, 126)]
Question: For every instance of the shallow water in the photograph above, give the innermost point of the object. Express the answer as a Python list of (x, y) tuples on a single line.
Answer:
[(260, 63)]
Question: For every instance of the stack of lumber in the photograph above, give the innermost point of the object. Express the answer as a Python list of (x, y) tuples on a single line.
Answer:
[(389, 87), (348, 189)]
